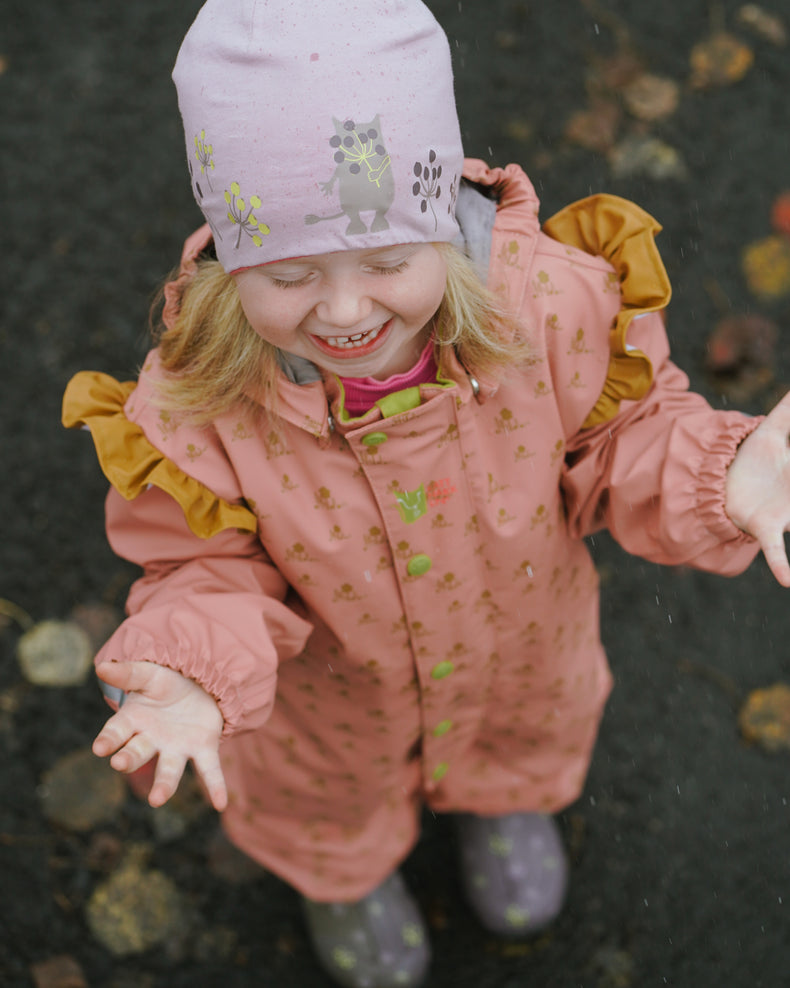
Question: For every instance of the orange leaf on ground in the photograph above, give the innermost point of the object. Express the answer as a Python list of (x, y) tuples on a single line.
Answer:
[(766, 264), (719, 61), (765, 717), (780, 213)]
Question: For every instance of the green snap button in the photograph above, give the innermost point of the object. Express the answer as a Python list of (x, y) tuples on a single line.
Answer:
[(442, 728), (442, 669), (374, 439), (419, 564), (440, 771)]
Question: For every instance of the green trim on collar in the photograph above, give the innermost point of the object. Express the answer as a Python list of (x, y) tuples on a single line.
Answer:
[(399, 401)]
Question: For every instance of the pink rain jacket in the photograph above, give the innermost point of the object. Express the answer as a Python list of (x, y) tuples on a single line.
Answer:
[(398, 609)]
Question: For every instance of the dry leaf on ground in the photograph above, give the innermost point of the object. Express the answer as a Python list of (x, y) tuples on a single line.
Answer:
[(596, 127), (55, 653), (637, 155), (609, 75), (765, 717), (81, 791), (766, 265), (780, 213), (651, 97), (720, 60), (740, 356), (739, 340), (58, 972), (136, 909), (766, 25)]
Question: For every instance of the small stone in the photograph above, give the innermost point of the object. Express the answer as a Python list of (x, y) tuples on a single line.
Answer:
[(764, 718), (81, 791), (136, 909), (58, 972), (55, 653)]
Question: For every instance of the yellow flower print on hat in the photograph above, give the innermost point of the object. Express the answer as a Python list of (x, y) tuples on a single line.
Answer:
[(205, 155), (240, 215)]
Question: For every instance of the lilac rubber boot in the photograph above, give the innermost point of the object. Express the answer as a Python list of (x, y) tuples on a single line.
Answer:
[(378, 942), (514, 871)]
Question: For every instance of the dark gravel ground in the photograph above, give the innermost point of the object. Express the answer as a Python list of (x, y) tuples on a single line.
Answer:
[(681, 871)]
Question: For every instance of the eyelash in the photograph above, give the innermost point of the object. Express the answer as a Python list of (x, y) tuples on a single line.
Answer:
[(394, 269)]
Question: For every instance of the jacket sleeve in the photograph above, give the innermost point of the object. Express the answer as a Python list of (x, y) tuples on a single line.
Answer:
[(654, 474), (210, 603), (649, 460)]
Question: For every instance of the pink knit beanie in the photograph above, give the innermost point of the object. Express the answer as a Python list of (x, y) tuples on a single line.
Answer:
[(319, 125)]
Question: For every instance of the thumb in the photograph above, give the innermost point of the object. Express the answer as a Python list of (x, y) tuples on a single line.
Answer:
[(128, 676)]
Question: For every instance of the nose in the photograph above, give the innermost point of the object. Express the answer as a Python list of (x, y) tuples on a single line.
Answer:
[(343, 304)]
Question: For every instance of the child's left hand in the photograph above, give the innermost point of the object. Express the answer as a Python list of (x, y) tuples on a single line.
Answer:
[(757, 496)]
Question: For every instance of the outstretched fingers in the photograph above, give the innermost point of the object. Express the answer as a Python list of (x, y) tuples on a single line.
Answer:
[(772, 543), (209, 771), (169, 769), (115, 734)]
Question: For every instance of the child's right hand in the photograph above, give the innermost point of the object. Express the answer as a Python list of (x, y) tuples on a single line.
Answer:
[(164, 714)]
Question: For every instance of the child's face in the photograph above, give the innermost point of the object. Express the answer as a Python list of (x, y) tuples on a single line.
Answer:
[(357, 313)]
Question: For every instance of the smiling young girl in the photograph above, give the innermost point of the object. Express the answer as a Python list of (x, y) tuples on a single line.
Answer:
[(357, 479)]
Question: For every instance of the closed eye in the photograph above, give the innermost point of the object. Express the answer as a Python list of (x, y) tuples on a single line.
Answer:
[(392, 269), (282, 283)]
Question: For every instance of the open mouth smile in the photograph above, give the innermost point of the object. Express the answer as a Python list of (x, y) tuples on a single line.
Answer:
[(354, 345)]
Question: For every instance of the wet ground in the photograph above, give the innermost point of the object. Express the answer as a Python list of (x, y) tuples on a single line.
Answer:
[(681, 840)]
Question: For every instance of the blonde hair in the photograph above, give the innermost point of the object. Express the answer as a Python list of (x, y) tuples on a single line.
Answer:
[(214, 360)]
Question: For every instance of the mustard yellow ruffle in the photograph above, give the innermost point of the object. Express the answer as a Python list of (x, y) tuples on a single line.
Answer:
[(620, 231), (131, 463)]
